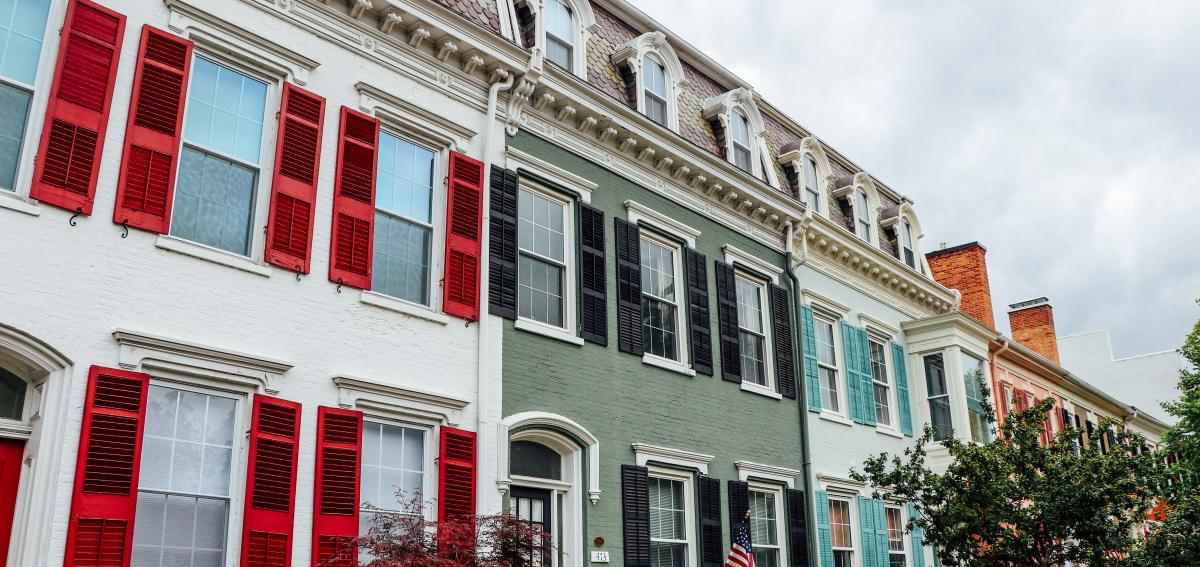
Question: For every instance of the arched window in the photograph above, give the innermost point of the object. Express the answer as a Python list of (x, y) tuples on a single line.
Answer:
[(12, 395), (907, 248), (812, 191), (862, 215), (653, 74), (740, 139), (655, 90), (560, 34), (532, 459)]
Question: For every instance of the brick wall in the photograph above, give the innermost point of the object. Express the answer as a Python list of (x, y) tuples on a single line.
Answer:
[(965, 268), (1033, 326)]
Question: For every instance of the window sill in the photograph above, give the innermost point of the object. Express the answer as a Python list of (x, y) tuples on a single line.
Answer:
[(889, 431), (836, 418), (760, 390), (400, 306), (187, 248), (14, 202), (547, 331), (673, 366)]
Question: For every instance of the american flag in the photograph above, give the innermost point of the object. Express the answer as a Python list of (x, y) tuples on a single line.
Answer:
[(741, 554)]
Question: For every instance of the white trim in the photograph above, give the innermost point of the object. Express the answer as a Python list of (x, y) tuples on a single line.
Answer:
[(689, 505), (884, 330), (666, 364), (637, 212), (824, 304), (546, 420), (734, 254), (682, 345), (829, 415), (569, 267), (546, 330), (781, 517), (748, 470), (193, 363), (412, 120), (406, 404), (571, 454), (516, 159), (583, 25), (840, 485), (721, 108), (645, 453), (409, 308), (14, 202), (760, 390), (655, 45), (206, 29), (768, 354), (215, 255), (812, 147)]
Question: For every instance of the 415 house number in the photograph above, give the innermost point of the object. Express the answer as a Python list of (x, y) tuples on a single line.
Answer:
[(599, 557)]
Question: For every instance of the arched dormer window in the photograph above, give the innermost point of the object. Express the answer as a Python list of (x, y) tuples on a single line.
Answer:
[(862, 199), (907, 229), (656, 75), (560, 28), (862, 215), (812, 187), (560, 34), (809, 171), (740, 128)]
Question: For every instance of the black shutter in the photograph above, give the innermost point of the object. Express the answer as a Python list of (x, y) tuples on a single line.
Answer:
[(635, 507), (797, 510), (781, 317), (739, 502), (701, 326), (727, 322), (712, 552), (629, 287), (593, 284), (502, 244)]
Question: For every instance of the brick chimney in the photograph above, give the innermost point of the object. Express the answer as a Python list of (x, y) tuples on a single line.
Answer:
[(964, 268), (1032, 325)]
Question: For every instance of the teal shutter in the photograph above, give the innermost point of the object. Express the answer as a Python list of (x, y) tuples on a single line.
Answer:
[(850, 359), (918, 539), (809, 341), (899, 361), (881, 534), (866, 524), (858, 374), (824, 535), (864, 367)]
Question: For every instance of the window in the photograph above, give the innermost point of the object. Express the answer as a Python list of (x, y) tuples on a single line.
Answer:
[(827, 364), (862, 215), (183, 491), (528, 458), (752, 331), (895, 535), (12, 395), (879, 377), (765, 528), (660, 310), (220, 161), (534, 508), (542, 237), (841, 532), (559, 33), (906, 244), (740, 137), (393, 471), (812, 191), (22, 24), (939, 396), (655, 82), (976, 393), (403, 219), (668, 523)]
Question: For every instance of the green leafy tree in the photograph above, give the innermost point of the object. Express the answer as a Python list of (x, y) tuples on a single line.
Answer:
[(1013, 501), (1176, 541)]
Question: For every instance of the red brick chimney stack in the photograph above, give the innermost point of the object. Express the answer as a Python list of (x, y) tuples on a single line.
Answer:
[(1032, 325), (964, 268)]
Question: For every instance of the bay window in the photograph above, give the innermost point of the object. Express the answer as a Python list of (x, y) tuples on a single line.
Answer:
[(660, 297), (668, 523), (403, 219), (879, 379), (972, 369), (183, 501), (827, 364), (939, 396), (752, 331), (542, 265), (740, 136), (220, 162), (22, 26)]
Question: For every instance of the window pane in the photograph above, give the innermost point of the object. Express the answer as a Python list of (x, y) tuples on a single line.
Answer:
[(750, 312), (667, 516), (393, 463), (879, 377), (658, 328), (22, 25), (656, 109), (741, 129), (826, 351), (753, 358), (658, 270), (655, 77), (405, 178), (214, 201), (225, 111), (172, 530), (764, 526), (12, 395), (14, 110), (829, 390), (187, 443), (541, 225), (741, 157), (400, 267), (559, 53), (528, 458), (539, 291)]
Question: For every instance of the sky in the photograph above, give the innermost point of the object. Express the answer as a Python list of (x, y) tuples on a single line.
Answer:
[(1062, 135)]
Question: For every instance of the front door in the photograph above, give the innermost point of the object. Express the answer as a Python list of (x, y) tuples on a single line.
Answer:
[(532, 506), (11, 452)]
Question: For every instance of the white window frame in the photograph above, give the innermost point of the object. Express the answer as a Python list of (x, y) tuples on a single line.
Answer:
[(834, 322), (808, 160), (653, 45), (768, 339), (18, 198), (722, 108), (264, 169), (429, 460), (903, 540), (238, 463), (908, 244), (781, 519), (645, 94), (567, 332), (437, 214), (948, 367), (983, 391), (690, 519), (583, 24), (739, 115), (682, 360), (862, 214), (893, 395), (852, 517)]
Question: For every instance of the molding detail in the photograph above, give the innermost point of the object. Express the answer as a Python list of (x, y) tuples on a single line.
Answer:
[(748, 470), (150, 353), (644, 454), (638, 212), (405, 402), (546, 420), (429, 125), (203, 27)]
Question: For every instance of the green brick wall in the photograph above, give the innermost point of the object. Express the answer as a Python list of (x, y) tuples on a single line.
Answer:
[(619, 399)]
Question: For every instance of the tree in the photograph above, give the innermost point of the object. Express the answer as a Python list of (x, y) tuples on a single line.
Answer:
[(1014, 501), (1176, 540)]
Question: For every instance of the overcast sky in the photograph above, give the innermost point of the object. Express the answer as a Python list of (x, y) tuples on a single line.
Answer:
[(1063, 135)]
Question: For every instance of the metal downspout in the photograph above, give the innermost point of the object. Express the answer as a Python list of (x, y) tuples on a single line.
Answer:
[(802, 389)]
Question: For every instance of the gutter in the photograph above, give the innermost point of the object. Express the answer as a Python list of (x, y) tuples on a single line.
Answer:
[(802, 389)]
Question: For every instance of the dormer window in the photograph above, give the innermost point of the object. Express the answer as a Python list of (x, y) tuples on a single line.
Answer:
[(812, 191), (740, 137), (906, 244), (655, 82), (862, 215), (560, 30)]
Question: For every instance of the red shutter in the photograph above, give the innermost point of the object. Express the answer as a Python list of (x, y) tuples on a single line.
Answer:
[(77, 114), (354, 200), (464, 209), (456, 476), (294, 188), (100, 529), (152, 135), (271, 483), (336, 487)]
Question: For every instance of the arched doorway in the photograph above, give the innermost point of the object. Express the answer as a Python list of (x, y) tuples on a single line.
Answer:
[(12, 450), (544, 469)]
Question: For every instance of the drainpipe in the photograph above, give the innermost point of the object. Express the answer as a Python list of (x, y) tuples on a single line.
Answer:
[(996, 356), (483, 428), (802, 389)]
